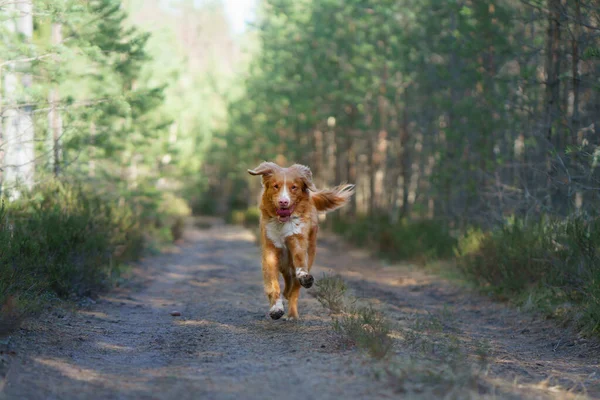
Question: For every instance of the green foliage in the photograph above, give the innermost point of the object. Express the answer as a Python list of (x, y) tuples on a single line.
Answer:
[(65, 240), (69, 240), (196, 59), (248, 218), (107, 166), (252, 217), (359, 325), (550, 262), (330, 292), (406, 240), (366, 328), (441, 368), (172, 211)]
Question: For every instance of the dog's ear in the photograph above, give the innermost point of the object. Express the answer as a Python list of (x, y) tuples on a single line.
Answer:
[(264, 169), (306, 175)]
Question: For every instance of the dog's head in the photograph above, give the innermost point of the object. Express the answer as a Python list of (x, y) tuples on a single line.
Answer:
[(284, 189)]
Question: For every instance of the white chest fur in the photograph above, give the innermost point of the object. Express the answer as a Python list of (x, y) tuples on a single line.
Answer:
[(277, 231)]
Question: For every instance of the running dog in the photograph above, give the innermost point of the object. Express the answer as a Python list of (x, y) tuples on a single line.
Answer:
[(289, 205)]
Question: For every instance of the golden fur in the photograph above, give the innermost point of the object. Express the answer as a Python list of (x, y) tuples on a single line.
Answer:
[(289, 233)]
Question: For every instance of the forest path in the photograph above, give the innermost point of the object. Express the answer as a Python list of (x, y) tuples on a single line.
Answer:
[(128, 346)]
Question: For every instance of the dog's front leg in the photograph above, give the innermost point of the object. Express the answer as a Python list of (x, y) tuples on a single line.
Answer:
[(270, 267), (298, 246)]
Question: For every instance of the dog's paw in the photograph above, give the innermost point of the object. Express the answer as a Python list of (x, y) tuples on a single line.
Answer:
[(276, 313), (291, 318), (306, 280)]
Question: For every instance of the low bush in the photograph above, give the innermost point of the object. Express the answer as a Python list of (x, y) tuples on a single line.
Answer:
[(249, 217), (64, 240), (419, 241), (172, 212), (252, 217), (330, 292), (554, 263), (366, 328), (358, 324), (162, 213)]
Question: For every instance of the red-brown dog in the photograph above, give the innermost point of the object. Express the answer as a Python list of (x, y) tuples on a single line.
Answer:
[(289, 206)]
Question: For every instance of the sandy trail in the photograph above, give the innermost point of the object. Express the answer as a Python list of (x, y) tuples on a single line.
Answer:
[(128, 346)]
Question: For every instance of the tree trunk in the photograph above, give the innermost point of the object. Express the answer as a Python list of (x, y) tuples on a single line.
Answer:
[(317, 158), (92, 153), (575, 72), (370, 150), (330, 155), (371, 171), (405, 161), (552, 94), (19, 134), (54, 116), (379, 144), (351, 159), (553, 69), (2, 144), (340, 154), (351, 169)]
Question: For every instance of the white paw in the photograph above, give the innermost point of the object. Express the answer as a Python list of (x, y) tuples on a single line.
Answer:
[(276, 311), (300, 273)]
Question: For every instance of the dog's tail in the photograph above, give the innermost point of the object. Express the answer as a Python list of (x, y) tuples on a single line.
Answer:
[(331, 199)]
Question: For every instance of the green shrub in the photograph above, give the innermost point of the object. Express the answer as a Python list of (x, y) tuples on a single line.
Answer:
[(420, 241), (548, 262), (366, 328), (162, 213), (63, 240), (330, 291), (252, 217), (510, 258), (172, 211), (248, 217), (236, 217)]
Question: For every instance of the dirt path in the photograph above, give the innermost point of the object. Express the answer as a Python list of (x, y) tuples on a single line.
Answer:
[(128, 346)]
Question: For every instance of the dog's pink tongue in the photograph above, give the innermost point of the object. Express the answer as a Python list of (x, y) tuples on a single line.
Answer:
[(284, 212)]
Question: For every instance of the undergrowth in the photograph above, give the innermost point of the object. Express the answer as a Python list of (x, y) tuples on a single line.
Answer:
[(548, 264), (359, 325), (249, 217), (330, 291), (551, 264), (425, 356), (63, 241), (418, 240), (367, 328)]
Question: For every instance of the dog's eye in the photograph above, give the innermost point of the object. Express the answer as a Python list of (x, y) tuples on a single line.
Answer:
[(275, 186), (294, 187)]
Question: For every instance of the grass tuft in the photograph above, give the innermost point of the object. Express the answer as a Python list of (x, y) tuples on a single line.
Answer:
[(330, 292), (360, 326), (367, 328)]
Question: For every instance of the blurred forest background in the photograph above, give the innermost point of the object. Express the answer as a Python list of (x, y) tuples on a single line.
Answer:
[(471, 129), (108, 110)]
